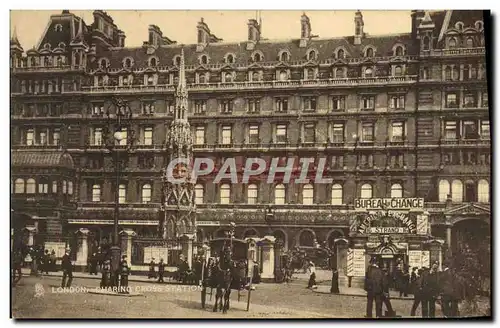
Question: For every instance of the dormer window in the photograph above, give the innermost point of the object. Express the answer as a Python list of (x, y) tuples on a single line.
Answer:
[(177, 60), (339, 73), (469, 42), (369, 52), (230, 58), (398, 71), (369, 72), (399, 51), (311, 55), (284, 56), (228, 77), (459, 26), (426, 43), (153, 62), (257, 57), (255, 76), (204, 60), (452, 43), (33, 61), (103, 63), (61, 45), (341, 54), (310, 74), (283, 76), (479, 25), (127, 63), (58, 28), (46, 46)]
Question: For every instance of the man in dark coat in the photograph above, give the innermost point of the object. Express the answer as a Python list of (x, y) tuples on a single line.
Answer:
[(417, 292), (124, 272), (152, 272), (106, 274), (404, 283), (385, 295), (67, 268), (17, 263), (335, 282), (93, 263), (413, 279), (375, 284), (161, 270), (450, 292), (430, 290)]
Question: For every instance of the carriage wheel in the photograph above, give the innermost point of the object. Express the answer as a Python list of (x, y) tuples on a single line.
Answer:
[(203, 296)]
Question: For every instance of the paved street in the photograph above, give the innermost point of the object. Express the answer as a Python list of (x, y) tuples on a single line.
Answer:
[(268, 300)]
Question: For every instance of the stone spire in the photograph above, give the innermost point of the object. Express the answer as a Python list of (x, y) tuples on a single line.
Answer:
[(15, 45), (79, 38), (181, 94)]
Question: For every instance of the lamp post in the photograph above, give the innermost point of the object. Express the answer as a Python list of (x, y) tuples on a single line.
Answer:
[(117, 122)]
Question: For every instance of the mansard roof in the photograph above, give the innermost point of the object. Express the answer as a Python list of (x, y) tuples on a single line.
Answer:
[(326, 48)]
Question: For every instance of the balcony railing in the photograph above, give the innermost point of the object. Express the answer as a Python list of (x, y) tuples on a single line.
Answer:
[(48, 69), (455, 52)]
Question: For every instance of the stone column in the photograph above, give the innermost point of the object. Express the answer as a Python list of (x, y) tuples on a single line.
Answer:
[(126, 244), (252, 253), (31, 235), (187, 248), (267, 245), (82, 253), (448, 238)]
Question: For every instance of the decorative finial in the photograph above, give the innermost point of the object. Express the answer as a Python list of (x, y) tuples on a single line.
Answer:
[(14, 38)]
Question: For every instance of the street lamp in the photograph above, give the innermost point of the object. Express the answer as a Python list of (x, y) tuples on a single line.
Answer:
[(122, 113)]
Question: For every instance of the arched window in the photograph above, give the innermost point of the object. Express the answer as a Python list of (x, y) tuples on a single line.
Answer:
[(255, 76), (310, 74), (341, 54), (228, 77), (70, 187), (279, 194), (64, 186), (337, 198), (199, 192), (127, 63), (58, 28), (308, 194), (230, 59), (470, 191), (457, 191), (339, 73), (469, 42), (204, 59), (152, 62), (252, 194), (396, 191), (399, 51), (444, 190), (54, 187), (311, 55), (452, 43), (284, 56), (225, 194), (201, 78), (306, 238), (369, 72), (61, 45), (30, 186), (19, 186), (369, 52), (398, 71), (122, 194), (426, 43), (103, 63), (283, 76), (96, 193), (483, 191), (146, 193), (257, 57), (177, 60), (366, 191), (479, 25)]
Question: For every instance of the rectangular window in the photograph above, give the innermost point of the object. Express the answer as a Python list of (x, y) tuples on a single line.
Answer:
[(30, 134), (451, 158), (199, 138), (252, 194), (367, 132), (368, 103), (56, 136), (397, 161), (484, 99), (309, 104), (469, 100), (54, 187), (225, 194), (97, 136), (148, 108), (397, 102), (366, 161), (253, 134), (338, 132), (253, 105), (485, 129), (122, 194), (200, 106), (98, 109), (146, 161), (43, 138), (450, 130), (337, 162), (281, 133), (398, 131), (281, 104), (451, 100), (148, 136), (96, 193), (470, 130), (226, 106), (226, 135), (309, 132), (338, 103), (124, 140), (43, 188)]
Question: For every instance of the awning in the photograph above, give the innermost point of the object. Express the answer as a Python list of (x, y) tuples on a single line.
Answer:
[(37, 158)]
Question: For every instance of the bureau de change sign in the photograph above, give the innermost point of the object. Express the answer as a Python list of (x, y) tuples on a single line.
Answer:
[(389, 204)]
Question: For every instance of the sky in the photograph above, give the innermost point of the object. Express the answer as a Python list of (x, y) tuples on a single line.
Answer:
[(230, 25)]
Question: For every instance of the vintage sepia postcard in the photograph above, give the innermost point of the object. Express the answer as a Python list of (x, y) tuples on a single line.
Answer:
[(250, 164)]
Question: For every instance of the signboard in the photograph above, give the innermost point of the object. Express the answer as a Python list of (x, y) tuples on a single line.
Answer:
[(422, 224), (208, 223), (386, 230), (389, 203), (155, 252), (350, 257), (358, 265), (58, 247), (110, 222), (415, 259), (426, 259)]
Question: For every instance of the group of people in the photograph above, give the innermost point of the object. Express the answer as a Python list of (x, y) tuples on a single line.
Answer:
[(37, 256), (428, 285)]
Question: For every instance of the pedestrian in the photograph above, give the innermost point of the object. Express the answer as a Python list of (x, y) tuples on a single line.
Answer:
[(161, 270), (256, 273), (152, 273), (67, 268), (430, 290), (417, 291), (46, 262), (335, 282), (404, 282), (53, 260), (386, 300), (17, 262), (124, 272), (450, 292), (413, 279), (312, 275), (106, 274), (374, 287)]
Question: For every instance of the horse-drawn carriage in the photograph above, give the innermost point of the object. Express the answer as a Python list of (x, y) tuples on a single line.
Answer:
[(226, 270)]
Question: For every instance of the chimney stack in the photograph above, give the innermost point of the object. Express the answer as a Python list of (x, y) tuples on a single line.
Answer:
[(305, 30), (359, 25)]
